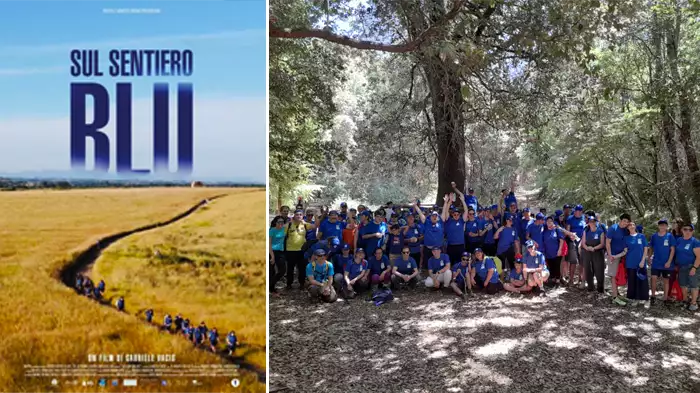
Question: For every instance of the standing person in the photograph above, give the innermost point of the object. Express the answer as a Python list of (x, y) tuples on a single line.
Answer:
[(433, 232), (496, 216), (373, 234), (149, 315), (576, 224), (522, 223), (454, 226), (331, 226), (413, 237), (662, 250), (592, 255), (471, 199), (553, 246), (278, 262), (508, 243), (535, 267), (475, 231), (677, 232), (438, 270), (350, 233), (231, 342), (360, 242), (343, 214), (635, 260), (484, 274), (380, 269), (615, 247), (297, 232), (491, 225), (320, 274), (405, 270), (688, 261), (284, 212), (534, 231), (461, 276), (395, 242)]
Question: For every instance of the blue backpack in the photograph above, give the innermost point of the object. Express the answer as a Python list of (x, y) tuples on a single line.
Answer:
[(381, 296)]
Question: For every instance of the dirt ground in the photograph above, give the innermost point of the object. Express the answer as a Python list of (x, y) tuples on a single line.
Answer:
[(569, 341)]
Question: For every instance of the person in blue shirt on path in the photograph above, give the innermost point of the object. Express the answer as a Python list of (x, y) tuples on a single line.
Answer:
[(380, 269), (534, 231), (637, 253), (592, 255), (433, 232), (517, 278), (615, 247), (343, 211), (355, 277), (149, 315), (508, 243), (461, 276), (213, 339), (319, 274), (454, 228), (662, 250), (553, 247), (186, 326), (332, 226), (484, 274), (439, 273), (373, 234), (522, 223), (688, 261), (277, 233), (576, 223), (178, 322), (167, 322), (405, 270), (535, 267), (496, 216), (491, 225), (120, 304), (340, 261), (101, 286), (475, 231), (413, 237), (395, 242), (508, 197), (470, 199), (198, 337), (231, 342)]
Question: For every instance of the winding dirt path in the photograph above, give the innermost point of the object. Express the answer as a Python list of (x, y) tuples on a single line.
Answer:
[(86, 259)]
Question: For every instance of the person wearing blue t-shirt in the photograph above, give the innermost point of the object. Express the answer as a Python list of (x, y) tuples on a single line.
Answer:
[(356, 274), (433, 231), (231, 342), (508, 243), (662, 250), (405, 270), (496, 216), (471, 199), (534, 231), (380, 268), (635, 260), (688, 261), (331, 226), (553, 247), (439, 272), (576, 223), (412, 237), (475, 231), (120, 304), (615, 247), (484, 274), (149, 315), (319, 273), (167, 322), (592, 255), (374, 233), (454, 226), (522, 223), (535, 267), (461, 276), (213, 339), (395, 242), (517, 281), (340, 261)]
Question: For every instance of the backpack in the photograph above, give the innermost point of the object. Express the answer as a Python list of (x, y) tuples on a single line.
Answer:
[(325, 271), (381, 296)]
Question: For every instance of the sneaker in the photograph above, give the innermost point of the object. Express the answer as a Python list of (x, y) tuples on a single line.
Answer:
[(652, 301), (463, 297), (619, 301), (693, 307), (542, 293)]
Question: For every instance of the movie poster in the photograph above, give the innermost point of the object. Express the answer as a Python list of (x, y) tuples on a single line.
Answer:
[(132, 194)]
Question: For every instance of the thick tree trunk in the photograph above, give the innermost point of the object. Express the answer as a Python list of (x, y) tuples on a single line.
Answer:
[(687, 143)]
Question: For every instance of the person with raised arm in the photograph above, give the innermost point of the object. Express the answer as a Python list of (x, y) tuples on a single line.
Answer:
[(433, 231)]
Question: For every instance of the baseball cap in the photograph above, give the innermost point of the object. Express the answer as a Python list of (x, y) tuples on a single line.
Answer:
[(470, 189), (579, 208), (320, 252), (479, 209), (365, 213), (663, 221), (567, 206), (434, 213), (527, 209), (530, 243), (345, 247), (436, 248), (332, 212), (360, 250), (299, 211), (343, 204), (494, 207), (539, 216), (558, 213), (395, 226), (466, 254), (334, 241), (508, 216), (402, 221), (478, 250), (592, 218)]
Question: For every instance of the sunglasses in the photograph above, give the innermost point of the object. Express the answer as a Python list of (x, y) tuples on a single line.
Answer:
[(687, 229), (405, 252), (465, 259)]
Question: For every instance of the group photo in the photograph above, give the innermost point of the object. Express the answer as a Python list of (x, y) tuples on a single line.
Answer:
[(483, 196)]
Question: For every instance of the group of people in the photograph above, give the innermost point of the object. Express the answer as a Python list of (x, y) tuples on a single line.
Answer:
[(197, 335), (467, 247)]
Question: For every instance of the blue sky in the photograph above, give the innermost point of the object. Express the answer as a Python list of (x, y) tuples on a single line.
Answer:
[(227, 38)]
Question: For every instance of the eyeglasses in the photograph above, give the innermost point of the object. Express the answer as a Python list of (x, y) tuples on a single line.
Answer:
[(465, 259), (687, 230), (405, 252)]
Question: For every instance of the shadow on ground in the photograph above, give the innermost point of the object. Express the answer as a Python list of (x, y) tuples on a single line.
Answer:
[(432, 342)]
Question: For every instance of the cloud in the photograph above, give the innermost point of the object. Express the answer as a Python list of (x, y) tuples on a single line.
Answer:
[(240, 37), (31, 71), (229, 139)]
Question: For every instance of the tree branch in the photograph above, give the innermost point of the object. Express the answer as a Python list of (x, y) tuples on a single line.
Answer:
[(275, 32)]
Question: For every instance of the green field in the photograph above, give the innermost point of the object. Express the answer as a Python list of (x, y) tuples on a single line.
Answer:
[(210, 266)]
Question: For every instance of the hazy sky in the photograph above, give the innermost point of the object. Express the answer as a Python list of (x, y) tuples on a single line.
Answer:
[(228, 41)]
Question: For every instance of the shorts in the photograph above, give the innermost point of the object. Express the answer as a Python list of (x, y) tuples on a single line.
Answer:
[(573, 257), (611, 270), (685, 280), (661, 272)]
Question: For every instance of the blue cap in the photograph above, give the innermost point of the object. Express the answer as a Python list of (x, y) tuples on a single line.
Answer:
[(320, 251), (592, 218), (663, 221), (436, 248), (567, 206), (478, 250), (402, 222), (360, 250), (334, 241), (333, 212), (558, 213), (480, 209), (494, 207), (508, 216), (539, 216), (466, 254), (345, 247), (578, 208), (343, 204), (527, 209), (434, 213), (530, 243), (365, 213)]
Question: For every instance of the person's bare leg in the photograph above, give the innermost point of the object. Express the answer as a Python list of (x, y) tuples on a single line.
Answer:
[(581, 273), (667, 288), (693, 296), (653, 287), (455, 288), (684, 290)]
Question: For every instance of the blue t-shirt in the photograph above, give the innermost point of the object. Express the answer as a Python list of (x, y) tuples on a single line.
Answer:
[(550, 240), (662, 250), (506, 239), (522, 224), (474, 227), (460, 268), (413, 231), (535, 232), (576, 225), (482, 269), (395, 244), (329, 229), (510, 198), (635, 249), (377, 266), (373, 243), (617, 238), (405, 267), (277, 238), (311, 233), (685, 254), (213, 337), (231, 340), (454, 229), (340, 262), (472, 201), (534, 261), (514, 275), (433, 233), (355, 269), (435, 264), (488, 237), (320, 273)]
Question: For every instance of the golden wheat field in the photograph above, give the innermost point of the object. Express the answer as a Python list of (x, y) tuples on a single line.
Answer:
[(209, 266)]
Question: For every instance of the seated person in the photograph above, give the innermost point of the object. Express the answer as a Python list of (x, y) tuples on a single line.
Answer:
[(518, 281), (461, 277), (535, 267), (484, 275), (438, 270), (405, 270), (319, 274), (340, 261), (356, 273), (379, 269)]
